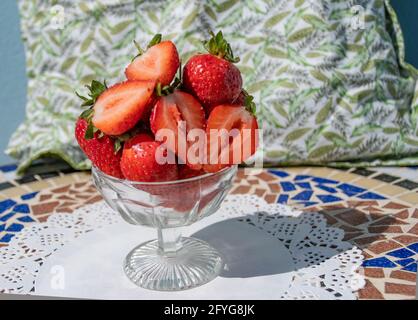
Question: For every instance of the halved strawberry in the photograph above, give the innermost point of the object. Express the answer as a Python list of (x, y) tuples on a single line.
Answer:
[(158, 63), (230, 117), (141, 162), (120, 107), (172, 110), (99, 149)]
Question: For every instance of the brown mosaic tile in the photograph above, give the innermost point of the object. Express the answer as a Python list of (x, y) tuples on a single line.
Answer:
[(61, 189), (347, 228), (354, 204), (414, 229), (270, 198), (394, 205), (80, 184), (65, 197), (81, 196), (351, 235), (368, 240), (388, 221), (403, 275), (267, 177), (406, 239), (66, 209), (374, 272), (332, 207), (383, 246), (330, 219), (241, 190), (372, 209), (415, 214), (404, 214), (43, 208), (353, 217), (44, 197), (94, 199), (397, 288), (370, 292), (386, 229), (259, 192), (274, 187)]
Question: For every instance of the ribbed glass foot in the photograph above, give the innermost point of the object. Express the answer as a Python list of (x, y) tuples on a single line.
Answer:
[(192, 264)]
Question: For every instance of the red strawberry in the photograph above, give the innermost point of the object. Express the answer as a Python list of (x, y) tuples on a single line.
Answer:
[(158, 63), (140, 161), (120, 107), (185, 172), (230, 117), (212, 78), (173, 108), (100, 150)]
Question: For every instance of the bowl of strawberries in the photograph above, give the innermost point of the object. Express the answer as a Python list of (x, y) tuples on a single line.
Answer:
[(164, 147)]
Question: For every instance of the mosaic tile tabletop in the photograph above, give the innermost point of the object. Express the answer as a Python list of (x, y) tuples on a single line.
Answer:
[(376, 207)]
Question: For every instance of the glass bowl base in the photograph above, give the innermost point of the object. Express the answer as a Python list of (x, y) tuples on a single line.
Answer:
[(195, 264)]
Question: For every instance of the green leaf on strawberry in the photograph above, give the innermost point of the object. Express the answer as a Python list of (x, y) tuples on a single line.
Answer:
[(218, 46), (96, 88), (154, 41)]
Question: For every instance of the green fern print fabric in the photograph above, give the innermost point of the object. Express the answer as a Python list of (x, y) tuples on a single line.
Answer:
[(328, 91)]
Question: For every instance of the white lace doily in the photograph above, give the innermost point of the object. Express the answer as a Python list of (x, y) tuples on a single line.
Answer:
[(310, 260)]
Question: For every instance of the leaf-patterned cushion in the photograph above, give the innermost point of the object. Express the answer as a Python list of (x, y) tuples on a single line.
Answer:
[(328, 76)]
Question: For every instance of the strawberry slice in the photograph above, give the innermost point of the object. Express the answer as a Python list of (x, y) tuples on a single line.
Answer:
[(120, 107), (230, 117), (159, 63), (140, 161), (100, 150), (173, 110)]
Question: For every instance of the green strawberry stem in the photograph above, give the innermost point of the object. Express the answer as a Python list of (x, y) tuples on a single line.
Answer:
[(155, 40), (218, 46)]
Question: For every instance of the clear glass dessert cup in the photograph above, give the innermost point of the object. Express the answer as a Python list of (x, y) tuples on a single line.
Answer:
[(171, 262)]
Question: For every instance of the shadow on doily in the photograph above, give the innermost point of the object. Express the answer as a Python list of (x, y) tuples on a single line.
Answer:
[(246, 251), (261, 245)]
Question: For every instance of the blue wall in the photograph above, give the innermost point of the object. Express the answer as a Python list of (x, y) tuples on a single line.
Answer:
[(12, 62), (12, 74)]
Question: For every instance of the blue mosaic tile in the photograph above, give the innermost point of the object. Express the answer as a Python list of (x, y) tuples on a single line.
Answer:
[(8, 168), (287, 186), (6, 205), (326, 198), (379, 262), (283, 198), (279, 173), (304, 185), (401, 253), (308, 203), (25, 219), (323, 180), (7, 216), (349, 189), (326, 188), (21, 208), (29, 196), (371, 195), (412, 267), (15, 227), (7, 237), (414, 247), (302, 177), (405, 262), (2, 227), (303, 196)]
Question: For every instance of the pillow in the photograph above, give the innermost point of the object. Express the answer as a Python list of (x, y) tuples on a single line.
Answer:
[(329, 77)]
